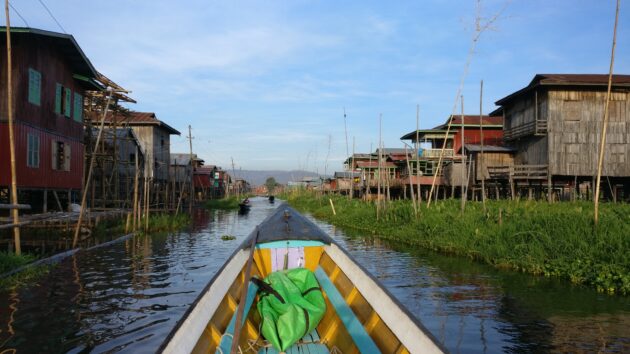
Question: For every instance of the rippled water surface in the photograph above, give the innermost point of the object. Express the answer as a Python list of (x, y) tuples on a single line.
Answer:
[(128, 296)]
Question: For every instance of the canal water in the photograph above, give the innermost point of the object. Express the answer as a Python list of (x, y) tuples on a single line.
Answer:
[(129, 295)]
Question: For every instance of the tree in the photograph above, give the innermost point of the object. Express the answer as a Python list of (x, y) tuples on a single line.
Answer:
[(271, 184)]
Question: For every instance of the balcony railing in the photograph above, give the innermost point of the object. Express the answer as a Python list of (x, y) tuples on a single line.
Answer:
[(535, 127), (518, 172), (435, 153)]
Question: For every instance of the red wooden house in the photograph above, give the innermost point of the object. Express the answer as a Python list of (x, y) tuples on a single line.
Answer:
[(50, 75)]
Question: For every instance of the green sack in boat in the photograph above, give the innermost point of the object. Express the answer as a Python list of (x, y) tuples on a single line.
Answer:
[(290, 304)]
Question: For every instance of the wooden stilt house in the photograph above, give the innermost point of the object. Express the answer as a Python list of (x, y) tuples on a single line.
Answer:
[(50, 76)]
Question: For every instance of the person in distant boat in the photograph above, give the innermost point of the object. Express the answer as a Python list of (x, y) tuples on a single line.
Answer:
[(246, 200)]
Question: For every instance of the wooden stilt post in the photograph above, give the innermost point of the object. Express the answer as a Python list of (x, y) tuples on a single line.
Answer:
[(14, 194), (135, 192), (45, 205)]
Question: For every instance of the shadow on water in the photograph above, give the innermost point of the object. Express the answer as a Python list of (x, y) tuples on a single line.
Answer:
[(128, 296)]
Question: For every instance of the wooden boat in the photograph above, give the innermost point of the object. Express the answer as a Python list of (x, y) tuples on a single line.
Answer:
[(361, 316), (244, 206)]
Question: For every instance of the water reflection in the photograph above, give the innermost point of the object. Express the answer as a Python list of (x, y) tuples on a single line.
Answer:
[(128, 296)]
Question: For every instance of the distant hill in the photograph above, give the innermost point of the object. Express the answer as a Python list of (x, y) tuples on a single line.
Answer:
[(257, 178)]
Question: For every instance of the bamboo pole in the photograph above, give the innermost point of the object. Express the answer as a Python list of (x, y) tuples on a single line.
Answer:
[(417, 153), (352, 170), (483, 160), (378, 195), (14, 195), (192, 172), (77, 229), (464, 192), (602, 145), (413, 197)]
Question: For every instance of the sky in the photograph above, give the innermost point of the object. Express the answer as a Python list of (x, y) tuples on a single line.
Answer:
[(265, 83)]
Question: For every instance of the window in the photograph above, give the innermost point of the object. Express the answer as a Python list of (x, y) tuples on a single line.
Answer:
[(63, 100), (60, 156), (32, 151), (34, 86), (78, 107)]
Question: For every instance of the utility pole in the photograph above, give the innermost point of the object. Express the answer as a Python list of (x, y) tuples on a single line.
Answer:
[(14, 196), (192, 173)]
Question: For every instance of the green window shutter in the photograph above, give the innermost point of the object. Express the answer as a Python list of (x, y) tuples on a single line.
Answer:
[(68, 102), (58, 89), (78, 107), (34, 86)]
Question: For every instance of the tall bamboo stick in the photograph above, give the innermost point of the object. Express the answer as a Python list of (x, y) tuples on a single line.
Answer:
[(602, 145), (482, 166), (417, 152), (77, 229), (14, 196)]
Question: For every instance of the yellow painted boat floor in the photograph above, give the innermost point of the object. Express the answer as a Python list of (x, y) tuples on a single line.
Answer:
[(309, 344)]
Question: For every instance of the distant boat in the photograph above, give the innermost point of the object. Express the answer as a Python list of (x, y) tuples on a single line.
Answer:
[(271, 199), (244, 206), (361, 316)]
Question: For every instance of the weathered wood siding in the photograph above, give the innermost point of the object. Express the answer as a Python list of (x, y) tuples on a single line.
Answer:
[(490, 159), (156, 142), (575, 125)]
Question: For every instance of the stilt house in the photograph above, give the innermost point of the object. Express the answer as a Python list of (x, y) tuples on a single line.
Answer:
[(555, 125), (50, 75)]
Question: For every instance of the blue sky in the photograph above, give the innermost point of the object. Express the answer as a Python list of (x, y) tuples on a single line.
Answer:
[(265, 82)]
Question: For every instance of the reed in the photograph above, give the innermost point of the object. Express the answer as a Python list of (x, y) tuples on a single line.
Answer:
[(224, 204), (529, 236)]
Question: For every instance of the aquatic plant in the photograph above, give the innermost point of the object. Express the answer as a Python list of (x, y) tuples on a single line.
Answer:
[(225, 203), (531, 236)]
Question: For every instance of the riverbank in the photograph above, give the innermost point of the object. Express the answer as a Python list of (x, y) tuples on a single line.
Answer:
[(529, 236)]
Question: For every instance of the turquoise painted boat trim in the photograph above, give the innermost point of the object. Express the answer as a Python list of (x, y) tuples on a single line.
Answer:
[(226, 341), (291, 244), (360, 337)]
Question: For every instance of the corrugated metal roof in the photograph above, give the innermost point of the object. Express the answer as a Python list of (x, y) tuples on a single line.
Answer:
[(347, 174), (473, 120), (139, 118), (489, 148), (592, 80), (65, 42)]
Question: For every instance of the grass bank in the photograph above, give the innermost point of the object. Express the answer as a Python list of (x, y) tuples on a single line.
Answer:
[(10, 261), (225, 203), (530, 236), (166, 222)]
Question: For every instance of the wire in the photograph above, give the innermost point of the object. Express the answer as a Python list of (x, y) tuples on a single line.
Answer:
[(20, 15), (53, 16)]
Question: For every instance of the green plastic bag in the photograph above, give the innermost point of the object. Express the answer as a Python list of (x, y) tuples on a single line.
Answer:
[(290, 304)]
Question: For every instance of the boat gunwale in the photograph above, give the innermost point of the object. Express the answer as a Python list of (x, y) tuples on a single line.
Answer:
[(245, 246), (395, 300)]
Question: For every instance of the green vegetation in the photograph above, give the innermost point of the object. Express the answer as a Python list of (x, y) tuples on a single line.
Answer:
[(225, 203), (11, 261), (166, 222), (530, 236), (228, 237)]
